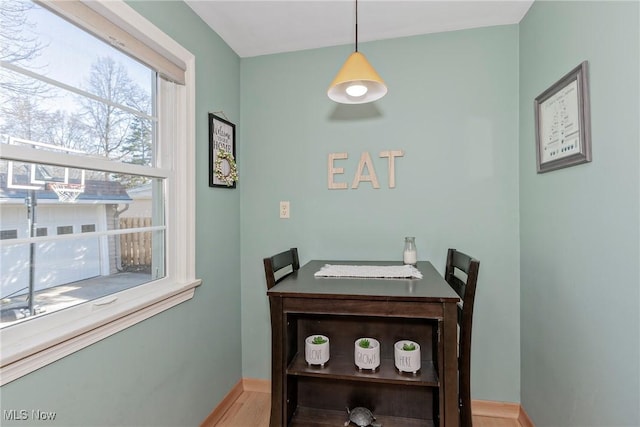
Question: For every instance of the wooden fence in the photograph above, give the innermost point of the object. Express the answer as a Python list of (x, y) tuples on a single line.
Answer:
[(135, 248)]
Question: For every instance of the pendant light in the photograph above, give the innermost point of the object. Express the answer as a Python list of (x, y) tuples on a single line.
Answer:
[(357, 82)]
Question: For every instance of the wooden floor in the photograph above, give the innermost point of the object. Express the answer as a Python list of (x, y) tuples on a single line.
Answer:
[(252, 408)]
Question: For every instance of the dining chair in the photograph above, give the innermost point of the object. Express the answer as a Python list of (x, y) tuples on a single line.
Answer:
[(465, 286), (277, 265)]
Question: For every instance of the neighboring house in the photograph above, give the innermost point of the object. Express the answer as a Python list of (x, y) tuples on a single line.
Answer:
[(141, 205), (66, 260)]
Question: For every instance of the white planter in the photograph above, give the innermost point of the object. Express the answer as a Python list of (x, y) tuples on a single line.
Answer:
[(407, 360), (367, 358), (316, 354)]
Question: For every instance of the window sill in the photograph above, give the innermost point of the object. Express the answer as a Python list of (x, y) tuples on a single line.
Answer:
[(24, 354)]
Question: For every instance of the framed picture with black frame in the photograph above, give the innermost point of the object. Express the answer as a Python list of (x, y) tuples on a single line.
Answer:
[(223, 171), (563, 123)]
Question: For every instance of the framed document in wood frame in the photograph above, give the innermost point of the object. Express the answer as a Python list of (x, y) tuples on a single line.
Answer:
[(563, 123)]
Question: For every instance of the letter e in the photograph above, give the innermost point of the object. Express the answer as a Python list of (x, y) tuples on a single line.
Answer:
[(333, 170)]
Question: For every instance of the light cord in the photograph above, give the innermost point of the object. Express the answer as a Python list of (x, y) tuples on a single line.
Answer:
[(356, 25)]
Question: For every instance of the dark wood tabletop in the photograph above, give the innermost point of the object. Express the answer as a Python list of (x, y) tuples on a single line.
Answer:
[(303, 284)]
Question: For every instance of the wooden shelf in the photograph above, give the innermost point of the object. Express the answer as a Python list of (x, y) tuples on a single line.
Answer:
[(311, 417), (343, 368), (345, 309)]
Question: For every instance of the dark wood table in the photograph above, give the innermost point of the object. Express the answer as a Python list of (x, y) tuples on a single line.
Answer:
[(345, 309)]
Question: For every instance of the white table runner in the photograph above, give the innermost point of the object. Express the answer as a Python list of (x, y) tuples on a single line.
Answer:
[(371, 271)]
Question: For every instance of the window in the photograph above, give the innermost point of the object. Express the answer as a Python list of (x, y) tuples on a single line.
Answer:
[(85, 123), (88, 228), (64, 229), (8, 234)]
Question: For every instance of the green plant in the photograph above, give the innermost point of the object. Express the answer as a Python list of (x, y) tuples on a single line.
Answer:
[(318, 340), (364, 343), (408, 346)]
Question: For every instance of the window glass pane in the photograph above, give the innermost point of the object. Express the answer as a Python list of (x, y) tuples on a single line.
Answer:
[(67, 272), (92, 129), (47, 44), (87, 255), (64, 229), (88, 228), (119, 124), (8, 234)]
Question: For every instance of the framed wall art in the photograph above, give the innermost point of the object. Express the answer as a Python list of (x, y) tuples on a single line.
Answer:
[(223, 171), (563, 123)]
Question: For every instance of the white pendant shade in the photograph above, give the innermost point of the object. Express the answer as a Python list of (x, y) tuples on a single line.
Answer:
[(357, 82)]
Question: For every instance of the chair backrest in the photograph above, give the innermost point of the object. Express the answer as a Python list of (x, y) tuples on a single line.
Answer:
[(465, 287), (277, 263)]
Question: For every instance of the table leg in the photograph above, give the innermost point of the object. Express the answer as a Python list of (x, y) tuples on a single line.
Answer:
[(450, 380), (277, 357)]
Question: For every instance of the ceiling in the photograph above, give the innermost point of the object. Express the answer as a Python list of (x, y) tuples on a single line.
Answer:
[(261, 27)]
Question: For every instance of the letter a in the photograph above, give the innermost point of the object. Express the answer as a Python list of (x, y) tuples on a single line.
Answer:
[(365, 160)]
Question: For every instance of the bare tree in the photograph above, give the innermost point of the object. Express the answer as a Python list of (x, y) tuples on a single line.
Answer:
[(111, 126), (18, 45), (27, 120), (67, 130)]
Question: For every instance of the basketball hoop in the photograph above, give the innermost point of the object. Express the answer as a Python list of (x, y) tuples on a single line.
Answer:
[(67, 193)]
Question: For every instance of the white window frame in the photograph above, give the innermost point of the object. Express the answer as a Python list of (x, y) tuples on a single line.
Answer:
[(44, 339)]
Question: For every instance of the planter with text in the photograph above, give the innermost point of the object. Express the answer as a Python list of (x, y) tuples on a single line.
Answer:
[(367, 353), (407, 356), (316, 350)]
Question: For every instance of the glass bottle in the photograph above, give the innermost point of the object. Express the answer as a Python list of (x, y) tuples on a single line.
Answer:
[(410, 255)]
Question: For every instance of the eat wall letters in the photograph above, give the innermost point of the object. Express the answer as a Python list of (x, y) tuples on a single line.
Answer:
[(365, 161)]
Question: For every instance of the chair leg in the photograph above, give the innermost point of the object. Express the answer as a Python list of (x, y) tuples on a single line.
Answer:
[(466, 419)]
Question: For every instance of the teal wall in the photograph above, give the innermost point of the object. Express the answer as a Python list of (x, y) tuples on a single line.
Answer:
[(173, 368), (452, 107), (558, 288), (579, 226)]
